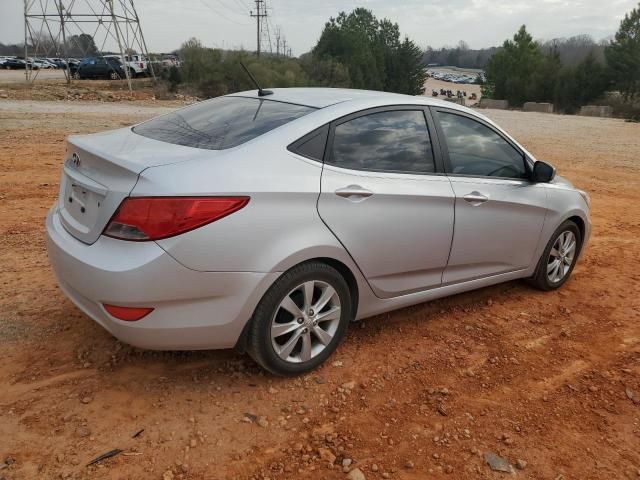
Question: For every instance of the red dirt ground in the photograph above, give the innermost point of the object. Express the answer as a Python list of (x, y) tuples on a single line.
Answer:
[(551, 379)]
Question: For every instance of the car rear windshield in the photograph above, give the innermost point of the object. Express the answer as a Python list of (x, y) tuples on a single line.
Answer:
[(223, 122)]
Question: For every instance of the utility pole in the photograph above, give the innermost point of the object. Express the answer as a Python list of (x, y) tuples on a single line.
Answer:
[(26, 39), (261, 12), (284, 47), (144, 43), (125, 65), (67, 72), (52, 28), (277, 41)]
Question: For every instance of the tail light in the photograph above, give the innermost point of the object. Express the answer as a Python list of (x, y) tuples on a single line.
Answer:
[(129, 314), (141, 65), (141, 219)]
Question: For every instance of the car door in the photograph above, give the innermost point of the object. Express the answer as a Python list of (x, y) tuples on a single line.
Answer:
[(103, 68), (385, 198), (499, 212), (112, 65), (88, 68)]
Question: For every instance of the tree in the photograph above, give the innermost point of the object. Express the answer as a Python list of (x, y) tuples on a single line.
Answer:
[(325, 73), (542, 83), (350, 39), (372, 52), (510, 71), (574, 50), (12, 49), (81, 45), (525, 71), (623, 55), (408, 75)]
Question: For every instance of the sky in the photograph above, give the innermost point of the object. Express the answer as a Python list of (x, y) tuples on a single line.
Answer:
[(226, 23)]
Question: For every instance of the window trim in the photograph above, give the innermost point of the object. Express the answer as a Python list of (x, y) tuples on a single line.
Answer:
[(430, 124), (293, 147), (445, 147), (431, 128)]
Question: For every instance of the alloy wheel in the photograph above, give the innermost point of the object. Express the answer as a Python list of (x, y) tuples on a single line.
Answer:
[(561, 256), (305, 321)]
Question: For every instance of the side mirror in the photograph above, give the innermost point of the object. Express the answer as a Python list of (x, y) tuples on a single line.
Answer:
[(543, 172)]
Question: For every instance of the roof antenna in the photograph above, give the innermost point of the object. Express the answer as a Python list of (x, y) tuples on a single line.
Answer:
[(261, 92)]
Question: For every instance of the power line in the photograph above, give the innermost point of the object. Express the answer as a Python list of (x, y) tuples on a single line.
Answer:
[(221, 14), (245, 8), (234, 8)]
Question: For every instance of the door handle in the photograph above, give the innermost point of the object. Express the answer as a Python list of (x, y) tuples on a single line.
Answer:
[(475, 198), (353, 191)]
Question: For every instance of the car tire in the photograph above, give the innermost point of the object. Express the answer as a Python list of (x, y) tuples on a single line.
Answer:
[(557, 261), (273, 352), (75, 75), (114, 76)]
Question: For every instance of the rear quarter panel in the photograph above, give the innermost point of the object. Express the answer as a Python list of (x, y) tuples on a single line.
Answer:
[(278, 228)]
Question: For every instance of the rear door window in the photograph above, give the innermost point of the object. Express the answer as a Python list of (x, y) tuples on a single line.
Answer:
[(221, 123)]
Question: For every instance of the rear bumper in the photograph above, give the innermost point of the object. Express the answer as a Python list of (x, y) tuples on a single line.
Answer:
[(192, 310)]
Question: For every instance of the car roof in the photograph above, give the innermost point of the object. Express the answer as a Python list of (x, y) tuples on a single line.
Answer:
[(325, 97)]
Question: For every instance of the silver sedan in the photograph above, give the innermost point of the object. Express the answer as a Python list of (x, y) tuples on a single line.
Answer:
[(269, 221)]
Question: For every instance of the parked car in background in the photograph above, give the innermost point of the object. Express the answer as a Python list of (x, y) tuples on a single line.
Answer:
[(14, 64), (59, 62), (48, 62), (99, 67), (73, 64), (41, 63), (461, 78), (169, 61), (136, 63), (269, 221)]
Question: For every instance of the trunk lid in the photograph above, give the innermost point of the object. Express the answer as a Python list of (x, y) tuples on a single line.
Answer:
[(100, 171)]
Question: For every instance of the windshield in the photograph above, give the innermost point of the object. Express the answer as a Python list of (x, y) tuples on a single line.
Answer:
[(221, 123)]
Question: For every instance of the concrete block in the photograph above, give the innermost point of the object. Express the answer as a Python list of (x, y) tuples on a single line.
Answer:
[(459, 101), (596, 111), (494, 104), (538, 107)]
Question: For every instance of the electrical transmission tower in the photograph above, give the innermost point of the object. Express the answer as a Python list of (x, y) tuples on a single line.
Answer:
[(263, 36), (79, 28)]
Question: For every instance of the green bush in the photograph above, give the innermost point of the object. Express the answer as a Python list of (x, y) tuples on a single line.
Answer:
[(212, 72), (627, 109)]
